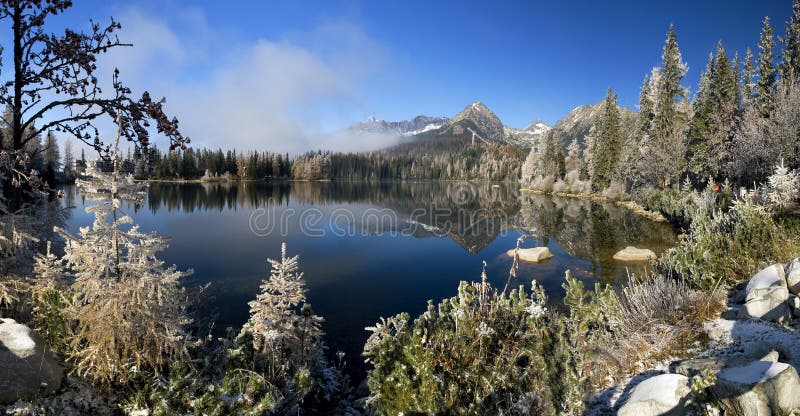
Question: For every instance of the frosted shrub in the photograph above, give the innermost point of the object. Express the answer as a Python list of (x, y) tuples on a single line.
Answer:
[(560, 186), (274, 365), (126, 307), (481, 352), (782, 189), (618, 333), (543, 183), (722, 248), (615, 191)]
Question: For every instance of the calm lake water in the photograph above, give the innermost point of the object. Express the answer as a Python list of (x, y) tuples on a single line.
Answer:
[(377, 249)]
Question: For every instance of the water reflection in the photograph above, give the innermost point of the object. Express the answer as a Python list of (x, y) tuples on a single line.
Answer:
[(404, 243), (471, 214)]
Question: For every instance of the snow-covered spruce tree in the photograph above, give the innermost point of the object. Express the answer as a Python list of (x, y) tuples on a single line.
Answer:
[(748, 81), (790, 67), (128, 309), (608, 144), (782, 189), (287, 340), (666, 138), (767, 74)]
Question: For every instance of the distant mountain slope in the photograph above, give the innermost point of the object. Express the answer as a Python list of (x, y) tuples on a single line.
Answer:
[(410, 127), (486, 123), (579, 121), (528, 136)]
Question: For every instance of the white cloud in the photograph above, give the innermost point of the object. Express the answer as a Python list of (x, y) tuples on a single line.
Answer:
[(278, 95)]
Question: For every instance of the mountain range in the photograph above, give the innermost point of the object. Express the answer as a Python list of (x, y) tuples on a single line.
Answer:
[(476, 122)]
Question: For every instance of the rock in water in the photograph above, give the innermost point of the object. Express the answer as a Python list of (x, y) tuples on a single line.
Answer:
[(758, 388), (660, 395), (634, 254), (532, 255), (766, 295), (27, 368), (793, 276)]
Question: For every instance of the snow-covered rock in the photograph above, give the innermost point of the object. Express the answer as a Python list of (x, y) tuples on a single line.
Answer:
[(758, 388), (27, 367), (660, 395), (793, 276), (532, 255), (634, 254), (767, 295)]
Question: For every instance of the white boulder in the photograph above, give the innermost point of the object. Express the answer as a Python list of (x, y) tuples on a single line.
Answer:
[(758, 388), (27, 367), (660, 395), (634, 254), (532, 255), (766, 295), (793, 276)]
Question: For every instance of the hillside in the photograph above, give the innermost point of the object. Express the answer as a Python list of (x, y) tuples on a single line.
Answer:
[(580, 120)]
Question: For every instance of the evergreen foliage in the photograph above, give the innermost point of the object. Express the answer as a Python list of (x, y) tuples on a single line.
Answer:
[(608, 144), (666, 139), (481, 352), (767, 74), (790, 67)]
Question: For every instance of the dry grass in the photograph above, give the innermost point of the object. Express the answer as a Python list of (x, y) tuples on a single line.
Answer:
[(651, 320)]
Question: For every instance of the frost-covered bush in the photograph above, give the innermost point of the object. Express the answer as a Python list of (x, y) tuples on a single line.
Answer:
[(481, 352), (649, 319), (615, 191), (274, 365), (680, 206), (126, 310), (543, 183), (722, 248), (783, 188)]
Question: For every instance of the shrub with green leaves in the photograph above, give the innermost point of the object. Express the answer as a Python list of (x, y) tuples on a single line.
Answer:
[(722, 248), (482, 352)]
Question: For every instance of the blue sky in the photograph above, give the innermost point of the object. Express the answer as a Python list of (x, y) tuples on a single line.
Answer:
[(303, 69)]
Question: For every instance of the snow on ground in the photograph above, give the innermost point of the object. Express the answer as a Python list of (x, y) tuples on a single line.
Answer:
[(728, 339), (745, 337)]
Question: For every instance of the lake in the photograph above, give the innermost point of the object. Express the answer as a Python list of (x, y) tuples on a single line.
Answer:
[(377, 249)]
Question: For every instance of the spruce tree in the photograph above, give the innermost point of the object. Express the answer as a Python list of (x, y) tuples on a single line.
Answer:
[(631, 158), (765, 88), (608, 144), (665, 145), (790, 67), (748, 85), (701, 114)]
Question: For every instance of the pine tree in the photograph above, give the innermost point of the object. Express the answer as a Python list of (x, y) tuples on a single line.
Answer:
[(549, 166), (529, 170), (631, 159), (666, 139), (608, 144), (765, 88), (52, 160), (573, 155), (790, 68), (69, 160), (748, 81), (715, 117), (280, 318), (737, 82), (701, 115), (128, 308)]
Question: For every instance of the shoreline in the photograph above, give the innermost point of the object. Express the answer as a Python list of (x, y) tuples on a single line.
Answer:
[(630, 205)]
